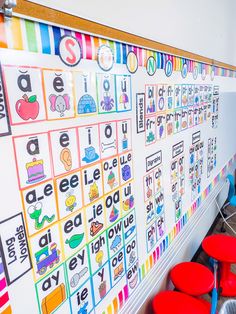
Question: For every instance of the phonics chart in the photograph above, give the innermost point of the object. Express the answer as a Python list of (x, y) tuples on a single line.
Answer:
[(104, 147)]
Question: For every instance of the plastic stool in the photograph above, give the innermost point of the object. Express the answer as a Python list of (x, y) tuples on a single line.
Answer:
[(173, 302), (192, 278), (222, 248)]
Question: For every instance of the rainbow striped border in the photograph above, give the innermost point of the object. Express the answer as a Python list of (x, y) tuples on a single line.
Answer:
[(22, 34), (118, 302), (5, 307)]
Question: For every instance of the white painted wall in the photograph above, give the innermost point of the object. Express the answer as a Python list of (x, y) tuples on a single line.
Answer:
[(204, 27)]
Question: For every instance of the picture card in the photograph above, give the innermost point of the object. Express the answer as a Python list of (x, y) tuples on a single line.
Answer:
[(59, 96), (24, 91), (32, 158), (85, 93)]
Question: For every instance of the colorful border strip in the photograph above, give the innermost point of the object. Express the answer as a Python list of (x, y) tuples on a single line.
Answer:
[(22, 34), (152, 259), (5, 307)]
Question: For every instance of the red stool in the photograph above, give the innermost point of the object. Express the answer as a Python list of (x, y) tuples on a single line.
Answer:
[(193, 279), (222, 248), (173, 302)]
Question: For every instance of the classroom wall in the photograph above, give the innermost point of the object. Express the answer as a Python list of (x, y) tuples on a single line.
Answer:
[(207, 28), (187, 241)]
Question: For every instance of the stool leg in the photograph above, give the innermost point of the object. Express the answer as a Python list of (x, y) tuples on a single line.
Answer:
[(222, 229), (224, 271), (227, 280)]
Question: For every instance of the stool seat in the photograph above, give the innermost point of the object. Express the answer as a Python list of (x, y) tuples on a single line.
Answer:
[(192, 278), (222, 248), (173, 302)]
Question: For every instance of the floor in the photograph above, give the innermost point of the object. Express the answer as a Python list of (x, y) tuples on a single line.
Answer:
[(202, 258)]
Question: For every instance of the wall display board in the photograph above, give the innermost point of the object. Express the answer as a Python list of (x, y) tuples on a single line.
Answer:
[(106, 151)]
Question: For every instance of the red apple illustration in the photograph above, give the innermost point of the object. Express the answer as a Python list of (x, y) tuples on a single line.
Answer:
[(27, 108)]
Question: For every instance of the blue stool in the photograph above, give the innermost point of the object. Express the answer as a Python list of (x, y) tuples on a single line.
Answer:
[(231, 200)]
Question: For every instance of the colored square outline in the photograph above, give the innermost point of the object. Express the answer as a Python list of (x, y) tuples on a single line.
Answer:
[(190, 113), (50, 149), (170, 112), (121, 188), (100, 143), (57, 192), (133, 212), (85, 247), (160, 112), (6, 91), (92, 285), (82, 115), (184, 110), (109, 159), (60, 226), (132, 167), (128, 75), (153, 224), (125, 270), (118, 189), (44, 92), (131, 240), (102, 201), (16, 163), (163, 114), (113, 75), (130, 122), (153, 142), (151, 172), (179, 112), (149, 220), (104, 234), (145, 105), (61, 252), (82, 183), (179, 107), (24, 208), (92, 296), (120, 220), (67, 293), (79, 149)]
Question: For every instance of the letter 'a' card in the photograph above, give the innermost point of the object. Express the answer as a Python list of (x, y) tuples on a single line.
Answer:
[(24, 94)]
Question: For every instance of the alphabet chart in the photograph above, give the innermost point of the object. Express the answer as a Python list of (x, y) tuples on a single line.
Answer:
[(97, 138)]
